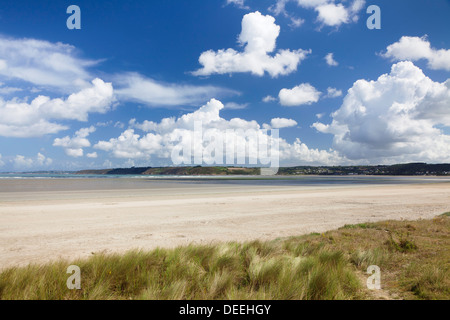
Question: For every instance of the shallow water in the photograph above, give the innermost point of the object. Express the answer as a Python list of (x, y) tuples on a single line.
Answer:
[(71, 182)]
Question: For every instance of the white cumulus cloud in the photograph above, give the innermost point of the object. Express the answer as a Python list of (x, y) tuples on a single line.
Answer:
[(74, 146), (397, 118), (279, 123), (37, 118), (159, 139), (332, 13), (299, 95), (42, 160), (268, 99), (329, 58), (333, 93), (415, 48), (258, 36), (23, 163)]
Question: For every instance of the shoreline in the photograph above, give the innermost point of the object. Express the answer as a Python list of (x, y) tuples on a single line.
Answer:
[(38, 227)]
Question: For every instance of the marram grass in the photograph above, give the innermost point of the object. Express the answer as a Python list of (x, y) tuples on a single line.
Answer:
[(317, 266), (229, 271)]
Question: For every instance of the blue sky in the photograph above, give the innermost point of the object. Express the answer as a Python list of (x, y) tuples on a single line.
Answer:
[(114, 93)]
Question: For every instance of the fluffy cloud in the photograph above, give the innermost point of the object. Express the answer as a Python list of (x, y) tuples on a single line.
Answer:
[(296, 22), (22, 119), (268, 99), (298, 153), (42, 160), (397, 118), (299, 95), (279, 123), (330, 60), (333, 93), (43, 63), (24, 163), (132, 146), (1, 162), (160, 138), (258, 36), (74, 146), (415, 48), (331, 13), (135, 87)]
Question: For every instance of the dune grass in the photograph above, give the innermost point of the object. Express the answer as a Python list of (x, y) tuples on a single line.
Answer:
[(413, 256)]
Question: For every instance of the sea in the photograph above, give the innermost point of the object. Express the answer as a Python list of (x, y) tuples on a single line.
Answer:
[(141, 180)]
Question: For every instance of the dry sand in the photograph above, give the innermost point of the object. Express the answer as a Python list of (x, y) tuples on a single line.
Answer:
[(42, 226)]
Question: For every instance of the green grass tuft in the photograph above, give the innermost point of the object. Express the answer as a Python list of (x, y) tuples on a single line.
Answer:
[(413, 257), (359, 226)]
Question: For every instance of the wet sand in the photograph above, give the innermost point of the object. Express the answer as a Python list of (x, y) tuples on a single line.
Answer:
[(45, 221)]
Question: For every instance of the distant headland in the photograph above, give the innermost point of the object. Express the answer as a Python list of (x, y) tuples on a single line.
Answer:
[(409, 169)]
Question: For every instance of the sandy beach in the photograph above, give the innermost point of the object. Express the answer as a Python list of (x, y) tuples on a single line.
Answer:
[(37, 226)]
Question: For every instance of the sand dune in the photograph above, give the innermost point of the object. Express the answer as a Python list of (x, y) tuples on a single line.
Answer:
[(47, 225)]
